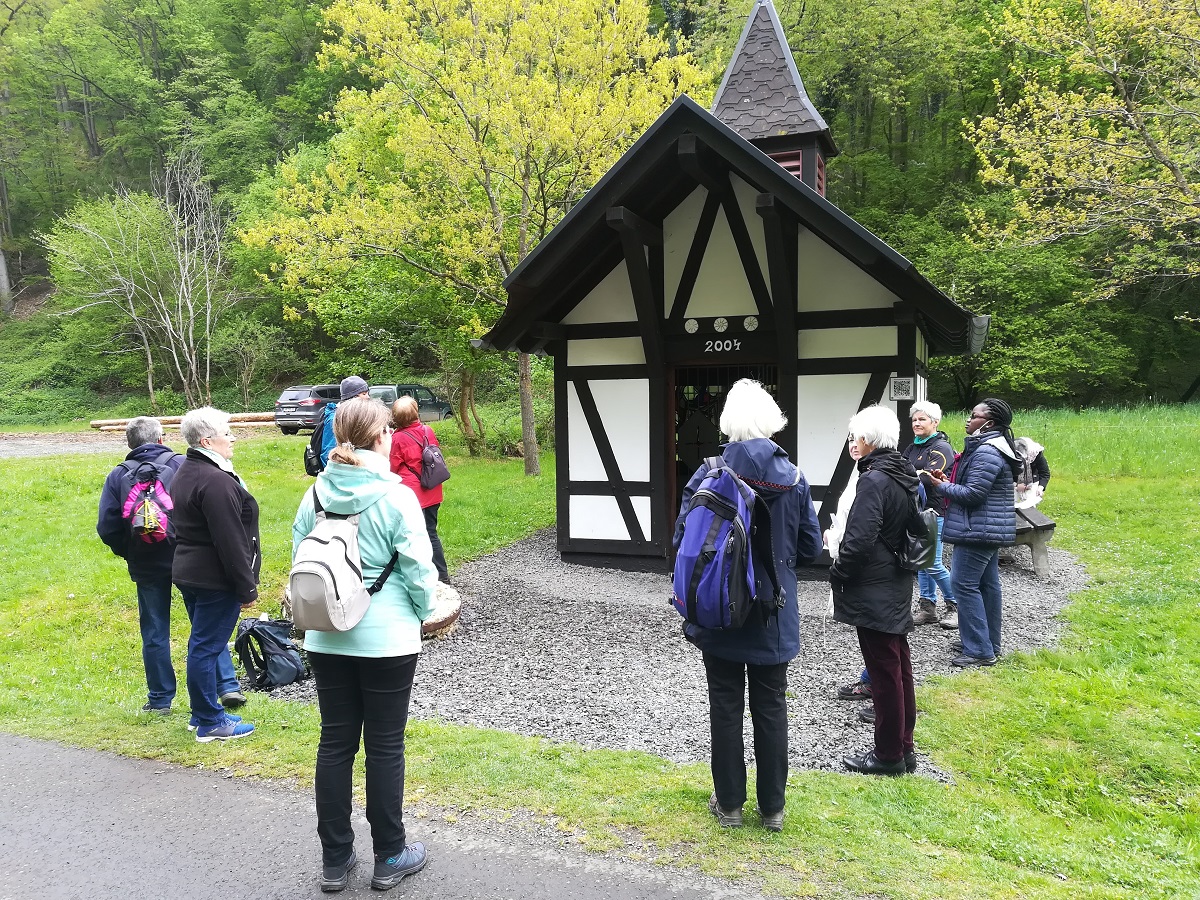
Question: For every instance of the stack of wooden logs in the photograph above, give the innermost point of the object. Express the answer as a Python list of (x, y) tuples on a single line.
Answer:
[(248, 419)]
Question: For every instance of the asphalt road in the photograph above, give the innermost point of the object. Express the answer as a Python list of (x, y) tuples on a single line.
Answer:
[(84, 824)]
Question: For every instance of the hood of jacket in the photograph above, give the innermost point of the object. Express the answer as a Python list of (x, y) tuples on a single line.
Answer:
[(148, 453), (1028, 447), (763, 464), (347, 490), (893, 465)]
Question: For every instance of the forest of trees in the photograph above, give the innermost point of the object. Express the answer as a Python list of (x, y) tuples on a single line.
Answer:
[(225, 195)]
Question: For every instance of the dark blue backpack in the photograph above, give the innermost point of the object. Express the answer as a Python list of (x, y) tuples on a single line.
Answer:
[(268, 654), (726, 543)]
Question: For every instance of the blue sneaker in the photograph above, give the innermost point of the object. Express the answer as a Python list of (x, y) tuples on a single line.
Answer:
[(389, 872), (226, 731), (193, 724)]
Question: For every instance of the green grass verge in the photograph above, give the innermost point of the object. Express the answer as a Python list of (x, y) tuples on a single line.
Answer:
[(1075, 769)]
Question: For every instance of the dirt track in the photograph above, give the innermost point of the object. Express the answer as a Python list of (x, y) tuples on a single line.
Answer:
[(26, 444)]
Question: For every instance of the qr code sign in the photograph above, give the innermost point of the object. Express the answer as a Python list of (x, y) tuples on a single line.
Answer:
[(903, 389)]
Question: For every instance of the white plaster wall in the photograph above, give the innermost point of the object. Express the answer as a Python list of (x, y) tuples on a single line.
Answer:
[(583, 463), (679, 228), (606, 352), (747, 197), (922, 388), (609, 301), (721, 287), (835, 343), (827, 280), (624, 407), (824, 406), (599, 518)]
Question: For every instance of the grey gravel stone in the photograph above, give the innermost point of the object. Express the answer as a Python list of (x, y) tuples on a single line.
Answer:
[(597, 657)]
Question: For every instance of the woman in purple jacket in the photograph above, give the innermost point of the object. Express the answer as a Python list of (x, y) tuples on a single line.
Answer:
[(757, 653)]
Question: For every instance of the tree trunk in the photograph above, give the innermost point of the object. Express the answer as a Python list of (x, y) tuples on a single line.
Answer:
[(528, 426), (6, 293), (150, 374), (468, 422)]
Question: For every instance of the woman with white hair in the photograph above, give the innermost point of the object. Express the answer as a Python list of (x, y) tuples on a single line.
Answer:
[(930, 451), (758, 653), (874, 594), (217, 558)]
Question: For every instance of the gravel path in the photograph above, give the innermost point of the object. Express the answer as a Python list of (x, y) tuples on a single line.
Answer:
[(28, 444), (596, 656)]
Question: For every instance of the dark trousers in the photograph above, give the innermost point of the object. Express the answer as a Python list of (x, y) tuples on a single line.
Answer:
[(727, 682), (214, 614), (367, 697), (890, 668), (439, 556)]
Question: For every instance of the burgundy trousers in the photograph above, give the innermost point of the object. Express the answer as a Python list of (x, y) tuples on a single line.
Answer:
[(890, 667)]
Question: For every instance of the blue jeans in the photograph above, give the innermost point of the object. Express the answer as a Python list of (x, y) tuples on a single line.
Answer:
[(937, 574), (976, 583), (227, 680), (214, 614), (154, 619)]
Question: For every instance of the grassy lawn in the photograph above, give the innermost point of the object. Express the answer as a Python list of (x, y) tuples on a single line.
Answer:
[(1075, 770)]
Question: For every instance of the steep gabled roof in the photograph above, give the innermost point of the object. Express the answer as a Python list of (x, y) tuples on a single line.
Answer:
[(649, 181), (762, 95)]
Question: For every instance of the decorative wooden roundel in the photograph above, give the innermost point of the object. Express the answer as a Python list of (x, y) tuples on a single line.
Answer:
[(691, 325), (750, 323), (720, 324)]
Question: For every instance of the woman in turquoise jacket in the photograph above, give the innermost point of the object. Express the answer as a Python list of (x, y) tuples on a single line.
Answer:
[(364, 675)]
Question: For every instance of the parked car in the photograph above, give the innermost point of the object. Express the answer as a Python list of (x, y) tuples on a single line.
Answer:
[(302, 405), (431, 407)]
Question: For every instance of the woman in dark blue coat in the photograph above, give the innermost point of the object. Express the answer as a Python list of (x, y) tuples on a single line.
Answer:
[(757, 653), (980, 519)]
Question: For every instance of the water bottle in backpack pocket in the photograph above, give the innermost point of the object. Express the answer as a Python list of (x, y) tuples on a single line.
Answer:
[(726, 543), (147, 506)]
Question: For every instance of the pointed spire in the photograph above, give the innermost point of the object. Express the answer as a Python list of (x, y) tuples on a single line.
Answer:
[(762, 95)]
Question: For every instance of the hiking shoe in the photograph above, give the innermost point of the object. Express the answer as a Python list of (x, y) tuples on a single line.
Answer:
[(193, 724), (867, 714), (233, 699), (335, 878), (950, 619), (726, 818), (910, 761), (156, 710), (963, 661), (389, 872), (771, 821), (926, 613), (957, 646), (859, 690), (227, 730)]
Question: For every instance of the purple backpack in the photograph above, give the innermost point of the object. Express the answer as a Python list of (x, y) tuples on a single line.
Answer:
[(726, 541)]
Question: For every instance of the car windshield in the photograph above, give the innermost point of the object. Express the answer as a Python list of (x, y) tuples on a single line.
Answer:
[(295, 394), (386, 394)]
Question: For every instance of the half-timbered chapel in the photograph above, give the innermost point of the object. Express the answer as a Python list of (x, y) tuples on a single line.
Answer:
[(709, 253)]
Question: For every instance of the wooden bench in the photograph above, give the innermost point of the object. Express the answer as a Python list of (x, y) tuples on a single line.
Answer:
[(1034, 531)]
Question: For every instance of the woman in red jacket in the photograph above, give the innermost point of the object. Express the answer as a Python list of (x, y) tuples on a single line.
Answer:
[(408, 440)]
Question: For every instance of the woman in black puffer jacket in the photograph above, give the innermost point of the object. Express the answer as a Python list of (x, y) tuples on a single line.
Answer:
[(872, 592)]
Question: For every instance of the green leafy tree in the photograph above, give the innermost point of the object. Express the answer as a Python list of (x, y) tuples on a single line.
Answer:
[(484, 123)]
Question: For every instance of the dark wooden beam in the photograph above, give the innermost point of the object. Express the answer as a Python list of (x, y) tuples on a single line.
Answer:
[(745, 251), (647, 297), (691, 266), (841, 472), (701, 164), (782, 235), (622, 218)]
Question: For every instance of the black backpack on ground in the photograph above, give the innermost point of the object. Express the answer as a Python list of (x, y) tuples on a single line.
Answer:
[(268, 654)]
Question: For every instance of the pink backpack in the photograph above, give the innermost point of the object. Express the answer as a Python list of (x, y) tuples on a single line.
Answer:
[(148, 506)]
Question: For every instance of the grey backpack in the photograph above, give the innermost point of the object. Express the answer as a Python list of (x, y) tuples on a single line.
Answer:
[(326, 582)]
